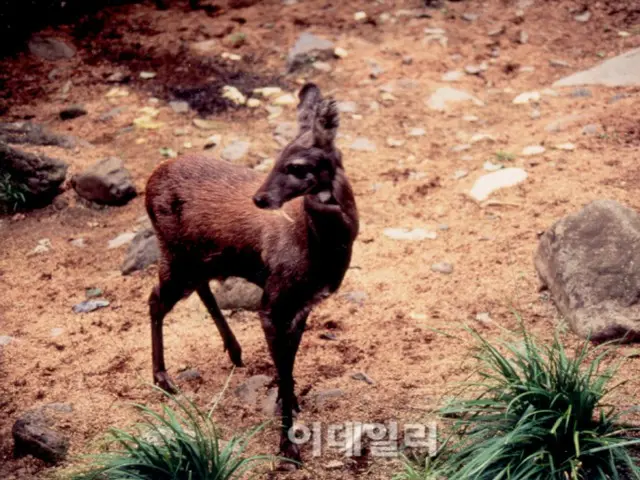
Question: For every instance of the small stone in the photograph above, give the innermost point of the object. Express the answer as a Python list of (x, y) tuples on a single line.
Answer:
[(328, 336), (340, 52), (117, 92), (93, 292), (308, 49), (460, 148), (591, 129), (322, 398), (90, 305), (347, 107), (238, 294), (559, 63), (249, 391), (78, 242), (523, 37), (235, 151), (179, 106), (231, 56), (470, 17), (581, 93), (442, 267), (375, 70), (203, 124), (569, 147), (532, 150), (32, 435), (267, 91), (322, 66), (360, 16), (406, 234), (253, 103), (470, 118), (444, 96), (527, 69), (491, 167), (583, 17), (73, 111), (56, 332), (459, 174), (189, 375), (357, 297), (234, 95), (526, 97), (535, 114), (407, 60), (212, 141), (482, 137), (496, 31), (363, 144), (147, 75), (363, 377), (394, 142), (484, 318), (489, 183), (5, 340), (44, 245), (285, 100), (105, 182), (476, 69), (235, 40), (334, 465), (121, 240), (417, 132), (170, 153), (452, 76), (117, 77), (142, 252)]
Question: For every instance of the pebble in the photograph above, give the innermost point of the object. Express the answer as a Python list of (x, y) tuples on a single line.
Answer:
[(147, 75), (489, 183), (489, 166), (5, 340), (267, 91), (535, 114), (347, 107), (583, 17), (56, 332), (44, 245), (78, 242), (406, 234), (591, 129), (234, 95), (460, 148), (527, 97), (532, 150), (334, 465), (179, 106), (470, 17), (363, 144), (357, 296), (340, 52), (559, 63), (189, 375), (121, 240), (459, 174), (93, 292), (523, 37), (322, 66), (90, 305), (203, 124), (285, 100), (407, 60), (212, 141), (249, 390), (394, 142), (253, 103), (446, 95), (328, 336), (360, 16), (481, 137), (452, 76), (484, 318), (470, 118), (442, 267), (496, 31), (417, 132), (321, 398), (566, 146), (363, 377), (581, 93), (476, 69)]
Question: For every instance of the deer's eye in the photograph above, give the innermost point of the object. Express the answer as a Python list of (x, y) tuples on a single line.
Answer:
[(298, 170)]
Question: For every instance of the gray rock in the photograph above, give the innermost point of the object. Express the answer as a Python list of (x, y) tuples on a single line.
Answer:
[(523, 37), (235, 151), (470, 17), (616, 98), (328, 336), (252, 388), (591, 129), (452, 76), (121, 240), (111, 114), (56, 332), (49, 48), (90, 305), (38, 177), (33, 134), (442, 267), (105, 182), (308, 49), (356, 297), (363, 144), (5, 340), (33, 435), (320, 399), (588, 261), (179, 106), (583, 17), (72, 111), (189, 375), (620, 71), (238, 294), (445, 96), (363, 377), (143, 252), (581, 93), (559, 64)]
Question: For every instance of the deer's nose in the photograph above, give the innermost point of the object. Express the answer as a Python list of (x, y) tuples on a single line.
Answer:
[(261, 200)]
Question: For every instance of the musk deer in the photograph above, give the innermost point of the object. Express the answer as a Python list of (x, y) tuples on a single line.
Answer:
[(214, 220)]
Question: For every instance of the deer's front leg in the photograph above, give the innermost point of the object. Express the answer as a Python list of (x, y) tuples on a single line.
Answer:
[(283, 337)]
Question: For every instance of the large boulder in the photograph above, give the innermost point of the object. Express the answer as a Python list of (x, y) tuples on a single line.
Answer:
[(33, 134), (620, 71), (35, 433), (106, 182), (590, 261), (37, 178)]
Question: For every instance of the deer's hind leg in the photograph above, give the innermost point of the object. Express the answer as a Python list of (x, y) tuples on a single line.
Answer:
[(228, 338)]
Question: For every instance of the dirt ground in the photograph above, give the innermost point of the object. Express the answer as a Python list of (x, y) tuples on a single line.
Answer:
[(407, 333)]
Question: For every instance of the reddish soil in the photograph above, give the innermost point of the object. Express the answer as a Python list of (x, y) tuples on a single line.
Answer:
[(407, 334)]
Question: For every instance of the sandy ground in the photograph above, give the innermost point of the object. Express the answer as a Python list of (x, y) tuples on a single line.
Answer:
[(407, 334)]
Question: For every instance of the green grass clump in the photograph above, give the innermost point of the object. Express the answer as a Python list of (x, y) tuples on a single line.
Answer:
[(505, 156), (539, 415), (12, 194), (180, 443)]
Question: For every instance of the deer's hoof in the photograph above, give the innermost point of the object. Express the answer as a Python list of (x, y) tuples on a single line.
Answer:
[(292, 459), (235, 354), (162, 380)]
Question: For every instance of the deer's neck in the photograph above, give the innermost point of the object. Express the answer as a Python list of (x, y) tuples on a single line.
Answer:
[(332, 216)]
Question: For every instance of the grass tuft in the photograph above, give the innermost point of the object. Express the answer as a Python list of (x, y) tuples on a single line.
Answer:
[(181, 442), (539, 415), (12, 194)]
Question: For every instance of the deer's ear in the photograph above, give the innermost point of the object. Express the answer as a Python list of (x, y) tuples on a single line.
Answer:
[(310, 97), (326, 123)]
